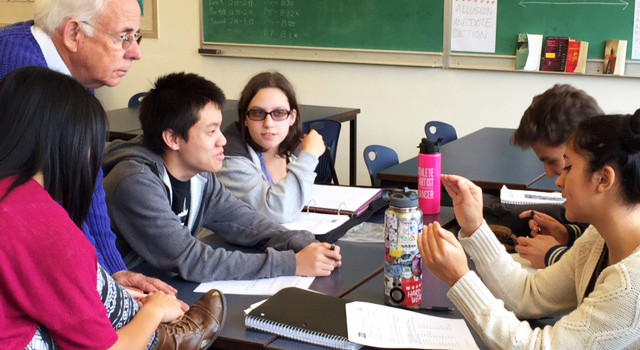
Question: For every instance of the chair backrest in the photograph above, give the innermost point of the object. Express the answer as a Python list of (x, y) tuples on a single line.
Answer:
[(330, 131), (435, 129), (378, 158), (134, 101)]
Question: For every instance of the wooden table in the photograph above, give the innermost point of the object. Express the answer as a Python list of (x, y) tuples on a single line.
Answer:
[(486, 157), (124, 124)]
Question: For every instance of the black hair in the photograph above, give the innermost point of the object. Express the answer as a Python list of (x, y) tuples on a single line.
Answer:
[(174, 103), (553, 115), (50, 123), (265, 80), (612, 140)]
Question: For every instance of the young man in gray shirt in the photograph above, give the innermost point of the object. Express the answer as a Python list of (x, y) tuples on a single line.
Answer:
[(161, 190)]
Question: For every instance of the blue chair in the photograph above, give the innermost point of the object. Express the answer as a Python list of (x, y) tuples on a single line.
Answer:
[(330, 131), (435, 129), (134, 101), (378, 158)]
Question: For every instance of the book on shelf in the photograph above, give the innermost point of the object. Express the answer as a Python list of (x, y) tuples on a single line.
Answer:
[(508, 196), (528, 50), (582, 58), (343, 200), (555, 54), (577, 56), (615, 57)]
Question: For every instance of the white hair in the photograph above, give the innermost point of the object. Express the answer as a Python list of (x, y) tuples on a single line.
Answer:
[(51, 15)]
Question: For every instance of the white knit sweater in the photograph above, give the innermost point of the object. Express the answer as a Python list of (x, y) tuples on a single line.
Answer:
[(607, 319)]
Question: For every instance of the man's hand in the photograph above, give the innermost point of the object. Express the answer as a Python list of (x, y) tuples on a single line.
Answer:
[(139, 286), (318, 259), (541, 223), (534, 249), (134, 280)]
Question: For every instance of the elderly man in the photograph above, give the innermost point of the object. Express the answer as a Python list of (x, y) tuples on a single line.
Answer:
[(95, 41)]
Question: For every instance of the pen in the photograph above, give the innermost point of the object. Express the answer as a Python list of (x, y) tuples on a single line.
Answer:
[(430, 308)]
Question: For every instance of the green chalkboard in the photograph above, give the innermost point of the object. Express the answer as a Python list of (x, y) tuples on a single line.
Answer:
[(586, 20), (403, 25)]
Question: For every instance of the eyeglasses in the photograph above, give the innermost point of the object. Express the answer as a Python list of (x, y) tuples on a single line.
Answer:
[(126, 39), (259, 114)]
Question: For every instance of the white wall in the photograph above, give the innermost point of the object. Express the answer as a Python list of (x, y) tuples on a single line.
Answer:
[(395, 101)]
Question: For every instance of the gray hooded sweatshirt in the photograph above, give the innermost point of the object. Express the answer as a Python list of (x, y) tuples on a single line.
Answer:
[(138, 192)]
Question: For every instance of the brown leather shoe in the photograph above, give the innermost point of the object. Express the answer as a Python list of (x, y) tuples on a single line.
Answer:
[(198, 328)]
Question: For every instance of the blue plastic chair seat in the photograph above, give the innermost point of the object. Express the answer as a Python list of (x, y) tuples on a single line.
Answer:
[(435, 129), (378, 158), (330, 132)]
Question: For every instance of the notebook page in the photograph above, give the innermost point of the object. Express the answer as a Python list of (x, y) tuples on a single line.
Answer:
[(341, 197), (261, 286), (388, 327)]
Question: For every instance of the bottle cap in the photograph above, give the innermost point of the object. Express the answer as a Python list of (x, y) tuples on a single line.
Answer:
[(428, 147), (398, 198)]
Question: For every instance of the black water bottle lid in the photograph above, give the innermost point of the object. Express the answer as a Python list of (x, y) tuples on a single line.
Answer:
[(428, 147), (401, 198)]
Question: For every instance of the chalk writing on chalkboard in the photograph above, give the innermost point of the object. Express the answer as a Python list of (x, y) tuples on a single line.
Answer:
[(277, 19), (402, 25), (624, 4)]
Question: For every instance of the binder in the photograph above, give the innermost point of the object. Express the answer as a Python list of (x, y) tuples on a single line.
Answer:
[(342, 200), (305, 316), (316, 223)]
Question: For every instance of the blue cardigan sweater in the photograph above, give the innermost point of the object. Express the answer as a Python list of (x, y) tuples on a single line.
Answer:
[(19, 48)]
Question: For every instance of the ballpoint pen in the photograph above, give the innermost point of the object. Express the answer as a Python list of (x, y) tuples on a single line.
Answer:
[(430, 308)]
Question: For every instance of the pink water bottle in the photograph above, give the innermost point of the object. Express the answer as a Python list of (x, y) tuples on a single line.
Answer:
[(429, 170)]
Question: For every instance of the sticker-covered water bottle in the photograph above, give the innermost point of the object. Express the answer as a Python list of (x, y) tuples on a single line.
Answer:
[(402, 261)]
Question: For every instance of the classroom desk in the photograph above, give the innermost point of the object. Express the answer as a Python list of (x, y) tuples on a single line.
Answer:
[(124, 124), (433, 293), (360, 263), (485, 157)]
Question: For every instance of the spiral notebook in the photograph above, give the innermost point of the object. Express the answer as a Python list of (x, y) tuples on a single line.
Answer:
[(523, 197), (305, 316)]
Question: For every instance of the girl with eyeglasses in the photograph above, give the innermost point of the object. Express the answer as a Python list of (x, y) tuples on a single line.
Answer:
[(268, 163), (596, 284)]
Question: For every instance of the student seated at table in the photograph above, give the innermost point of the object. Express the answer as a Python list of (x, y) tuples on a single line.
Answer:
[(268, 163), (53, 291), (596, 284), (161, 190), (545, 127), (94, 41)]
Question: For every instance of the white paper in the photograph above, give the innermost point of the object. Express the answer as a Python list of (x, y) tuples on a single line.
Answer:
[(508, 196), (473, 25), (635, 47), (341, 198), (253, 306), (388, 327), (262, 286), (317, 223), (535, 50)]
